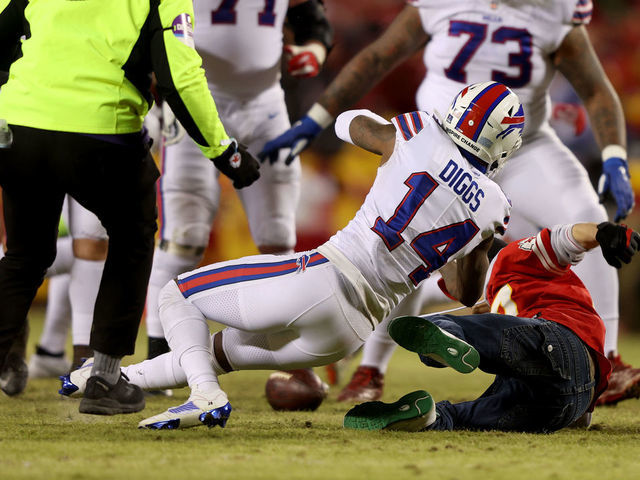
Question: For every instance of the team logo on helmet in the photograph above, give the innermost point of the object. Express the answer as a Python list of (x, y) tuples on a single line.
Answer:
[(515, 122), (487, 120)]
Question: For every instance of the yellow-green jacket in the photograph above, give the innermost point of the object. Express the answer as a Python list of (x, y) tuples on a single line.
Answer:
[(85, 66)]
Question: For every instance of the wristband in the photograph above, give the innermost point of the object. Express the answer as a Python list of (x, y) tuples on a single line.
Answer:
[(320, 115), (614, 151)]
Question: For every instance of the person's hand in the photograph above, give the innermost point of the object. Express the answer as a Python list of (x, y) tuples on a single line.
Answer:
[(619, 243), (480, 307), (304, 61), (238, 164), (297, 138), (615, 181)]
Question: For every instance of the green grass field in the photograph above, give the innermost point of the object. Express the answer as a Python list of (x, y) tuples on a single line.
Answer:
[(44, 436)]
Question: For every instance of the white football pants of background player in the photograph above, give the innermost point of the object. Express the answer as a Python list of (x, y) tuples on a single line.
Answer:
[(74, 282), (189, 194)]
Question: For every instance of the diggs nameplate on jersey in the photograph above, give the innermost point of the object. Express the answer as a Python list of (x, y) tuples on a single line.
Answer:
[(463, 184)]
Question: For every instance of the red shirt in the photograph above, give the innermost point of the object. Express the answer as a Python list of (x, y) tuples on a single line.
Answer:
[(527, 279)]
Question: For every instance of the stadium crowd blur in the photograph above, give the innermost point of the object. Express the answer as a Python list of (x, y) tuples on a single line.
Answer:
[(336, 176)]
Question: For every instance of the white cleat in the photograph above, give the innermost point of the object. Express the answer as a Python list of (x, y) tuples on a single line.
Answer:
[(46, 366), (200, 409), (74, 383)]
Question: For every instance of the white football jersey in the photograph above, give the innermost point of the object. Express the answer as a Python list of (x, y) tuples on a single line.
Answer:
[(428, 205), (240, 42), (508, 41)]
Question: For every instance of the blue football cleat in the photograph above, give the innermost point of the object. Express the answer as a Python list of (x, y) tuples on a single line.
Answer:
[(74, 383), (209, 409)]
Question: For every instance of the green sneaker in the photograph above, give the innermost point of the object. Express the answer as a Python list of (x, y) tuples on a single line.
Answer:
[(419, 335), (412, 413)]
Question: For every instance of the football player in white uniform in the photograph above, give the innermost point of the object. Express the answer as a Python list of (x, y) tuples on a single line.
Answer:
[(432, 202), (521, 44), (241, 43)]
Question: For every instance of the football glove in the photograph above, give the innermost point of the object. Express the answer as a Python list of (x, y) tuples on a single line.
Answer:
[(238, 164), (299, 136), (619, 243), (304, 61), (296, 138), (615, 181)]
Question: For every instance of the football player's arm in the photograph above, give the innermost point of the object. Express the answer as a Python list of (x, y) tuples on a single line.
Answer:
[(367, 130), (11, 29), (400, 40), (465, 277), (313, 38), (577, 61)]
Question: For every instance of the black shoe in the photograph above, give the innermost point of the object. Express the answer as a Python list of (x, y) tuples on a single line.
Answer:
[(103, 398), (13, 378), (14, 373)]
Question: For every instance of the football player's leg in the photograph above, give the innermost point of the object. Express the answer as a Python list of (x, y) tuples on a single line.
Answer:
[(246, 294), (318, 336), (368, 380), (90, 243), (271, 203), (188, 196), (549, 186), (49, 359), (188, 336)]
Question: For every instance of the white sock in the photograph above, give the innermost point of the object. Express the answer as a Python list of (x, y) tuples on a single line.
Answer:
[(379, 348), (188, 335), (165, 267), (159, 373), (611, 336), (83, 290), (58, 315), (64, 257)]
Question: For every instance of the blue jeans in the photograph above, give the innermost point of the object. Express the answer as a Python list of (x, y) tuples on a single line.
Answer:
[(544, 374)]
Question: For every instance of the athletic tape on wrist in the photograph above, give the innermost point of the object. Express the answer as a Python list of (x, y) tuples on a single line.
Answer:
[(614, 151), (320, 115)]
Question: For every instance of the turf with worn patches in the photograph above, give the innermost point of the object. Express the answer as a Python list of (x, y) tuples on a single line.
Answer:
[(43, 436)]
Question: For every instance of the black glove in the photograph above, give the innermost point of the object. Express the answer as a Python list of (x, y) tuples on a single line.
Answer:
[(238, 164), (618, 242)]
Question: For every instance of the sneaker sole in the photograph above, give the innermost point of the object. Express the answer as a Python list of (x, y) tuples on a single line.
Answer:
[(426, 338), (108, 406), (412, 413)]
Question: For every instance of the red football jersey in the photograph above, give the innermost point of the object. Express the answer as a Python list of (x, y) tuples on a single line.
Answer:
[(526, 279)]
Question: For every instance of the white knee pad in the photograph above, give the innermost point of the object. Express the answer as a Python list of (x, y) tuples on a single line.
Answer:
[(275, 231), (191, 235)]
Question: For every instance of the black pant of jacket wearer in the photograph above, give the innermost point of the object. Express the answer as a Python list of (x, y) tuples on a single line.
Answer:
[(116, 181)]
